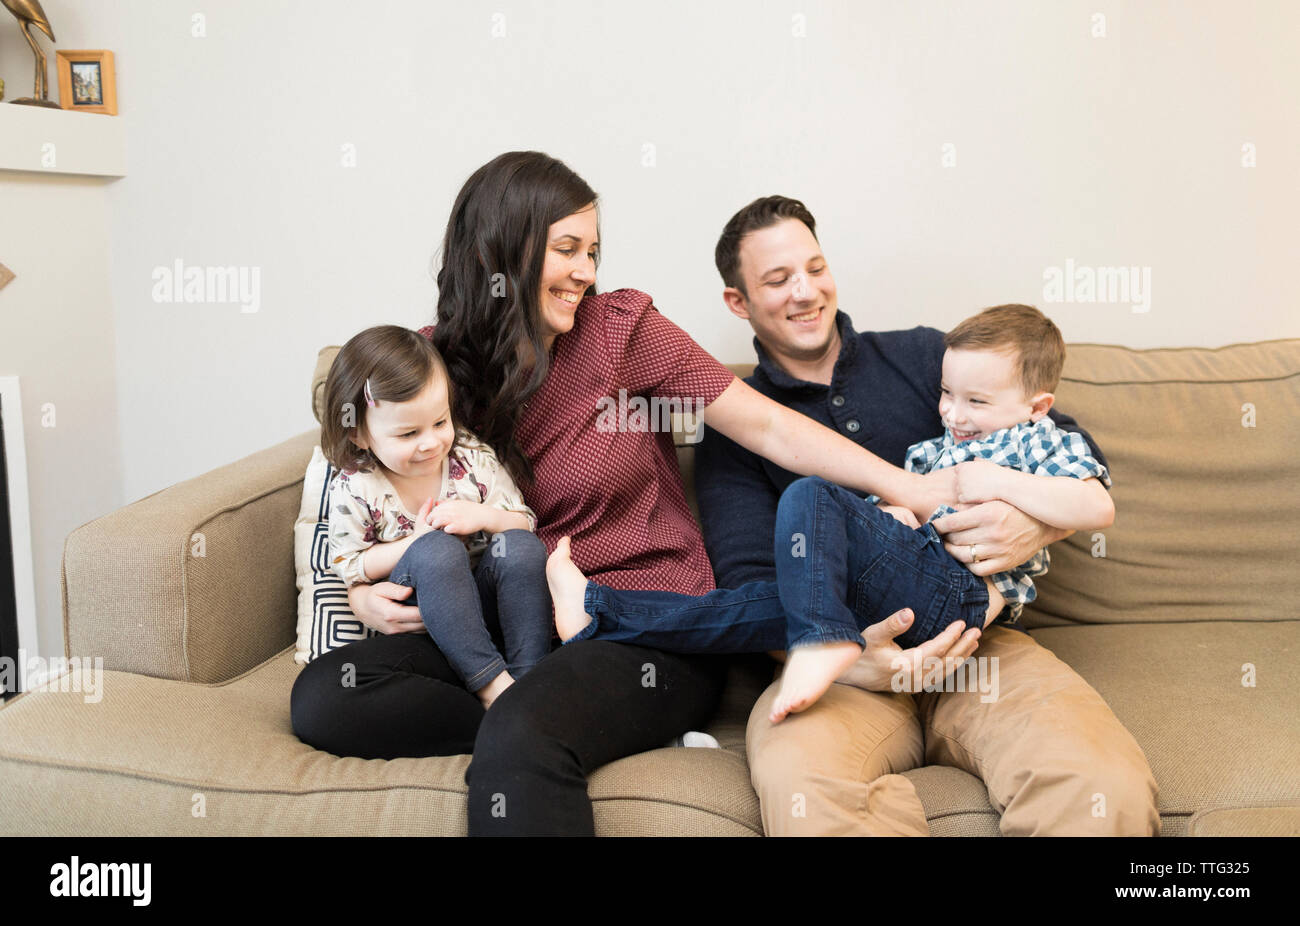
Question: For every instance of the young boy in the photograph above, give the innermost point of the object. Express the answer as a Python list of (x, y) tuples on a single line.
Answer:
[(1000, 370), (843, 563)]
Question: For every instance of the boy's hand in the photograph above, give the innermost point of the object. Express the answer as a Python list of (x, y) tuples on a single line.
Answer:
[(901, 514), (459, 517), (978, 481)]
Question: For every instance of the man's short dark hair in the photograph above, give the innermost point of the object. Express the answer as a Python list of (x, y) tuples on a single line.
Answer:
[(761, 213)]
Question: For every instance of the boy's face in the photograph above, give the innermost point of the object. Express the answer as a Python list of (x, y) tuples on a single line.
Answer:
[(981, 393)]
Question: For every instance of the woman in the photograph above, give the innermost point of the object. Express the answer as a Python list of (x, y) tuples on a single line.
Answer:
[(532, 349)]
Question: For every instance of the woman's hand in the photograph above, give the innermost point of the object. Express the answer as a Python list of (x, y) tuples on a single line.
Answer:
[(935, 488), (379, 607), (885, 666), (460, 517)]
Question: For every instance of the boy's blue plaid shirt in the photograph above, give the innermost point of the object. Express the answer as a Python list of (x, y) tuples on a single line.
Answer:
[(1040, 448)]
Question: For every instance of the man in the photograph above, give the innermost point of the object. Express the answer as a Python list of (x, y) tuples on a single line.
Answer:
[(1053, 756)]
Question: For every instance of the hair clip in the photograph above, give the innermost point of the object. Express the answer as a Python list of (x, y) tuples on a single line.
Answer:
[(370, 399)]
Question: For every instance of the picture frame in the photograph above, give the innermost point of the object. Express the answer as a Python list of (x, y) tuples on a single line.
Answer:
[(87, 81)]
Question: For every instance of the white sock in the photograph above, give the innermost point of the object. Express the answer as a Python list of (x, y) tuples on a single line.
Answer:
[(695, 738)]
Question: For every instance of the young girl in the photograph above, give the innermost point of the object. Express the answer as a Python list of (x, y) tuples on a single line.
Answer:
[(423, 503)]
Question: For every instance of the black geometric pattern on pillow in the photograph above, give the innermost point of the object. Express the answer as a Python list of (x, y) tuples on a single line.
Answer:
[(332, 622)]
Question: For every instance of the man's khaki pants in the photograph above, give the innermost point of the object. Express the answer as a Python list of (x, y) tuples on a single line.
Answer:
[(1054, 757)]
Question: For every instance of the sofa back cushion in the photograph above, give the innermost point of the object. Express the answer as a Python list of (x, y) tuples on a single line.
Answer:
[(1203, 446)]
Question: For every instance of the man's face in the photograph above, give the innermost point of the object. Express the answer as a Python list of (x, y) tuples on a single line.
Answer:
[(790, 293)]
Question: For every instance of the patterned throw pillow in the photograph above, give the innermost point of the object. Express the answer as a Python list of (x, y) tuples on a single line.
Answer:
[(325, 621)]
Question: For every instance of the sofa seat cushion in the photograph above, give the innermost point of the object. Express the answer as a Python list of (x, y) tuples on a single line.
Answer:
[(153, 752), (1211, 741), (1276, 820)]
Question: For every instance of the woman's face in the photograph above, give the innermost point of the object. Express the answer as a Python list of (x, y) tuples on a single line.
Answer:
[(567, 270)]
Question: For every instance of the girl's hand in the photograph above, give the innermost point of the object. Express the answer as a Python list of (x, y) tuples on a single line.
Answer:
[(459, 517), (422, 525)]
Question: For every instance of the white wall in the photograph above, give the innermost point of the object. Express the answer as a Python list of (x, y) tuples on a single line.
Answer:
[(1119, 150)]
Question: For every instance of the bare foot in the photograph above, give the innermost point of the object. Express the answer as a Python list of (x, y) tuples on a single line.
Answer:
[(568, 591), (809, 671), (492, 690)]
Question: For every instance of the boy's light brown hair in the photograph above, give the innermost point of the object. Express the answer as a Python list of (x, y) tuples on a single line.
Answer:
[(1036, 341)]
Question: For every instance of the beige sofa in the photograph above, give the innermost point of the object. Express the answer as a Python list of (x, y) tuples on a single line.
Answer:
[(1188, 626)]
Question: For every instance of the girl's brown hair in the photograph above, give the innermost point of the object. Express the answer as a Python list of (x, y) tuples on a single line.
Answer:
[(399, 363)]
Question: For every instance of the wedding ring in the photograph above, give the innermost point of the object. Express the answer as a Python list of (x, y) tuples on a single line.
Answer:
[(974, 557)]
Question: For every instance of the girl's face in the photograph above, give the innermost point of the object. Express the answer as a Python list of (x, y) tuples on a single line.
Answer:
[(410, 439), (567, 270)]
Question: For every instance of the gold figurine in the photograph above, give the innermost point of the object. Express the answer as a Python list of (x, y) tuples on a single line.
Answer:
[(29, 13)]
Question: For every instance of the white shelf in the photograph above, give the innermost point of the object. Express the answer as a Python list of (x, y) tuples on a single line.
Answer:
[(91, 144)]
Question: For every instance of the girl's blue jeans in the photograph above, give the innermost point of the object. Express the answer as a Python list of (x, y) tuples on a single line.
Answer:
[(842, 564), (507, 590)]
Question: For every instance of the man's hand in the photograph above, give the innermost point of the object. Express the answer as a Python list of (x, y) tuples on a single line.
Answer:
[(1002, 536), (885, 666), (380, 607)]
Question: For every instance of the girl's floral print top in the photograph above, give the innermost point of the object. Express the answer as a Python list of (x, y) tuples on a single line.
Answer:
[(365, 509)]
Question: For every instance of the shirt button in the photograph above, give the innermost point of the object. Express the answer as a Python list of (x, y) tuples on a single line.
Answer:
[(837, 401), (852, 426)]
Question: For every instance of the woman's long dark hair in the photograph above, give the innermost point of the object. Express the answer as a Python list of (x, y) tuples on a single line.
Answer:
[(491, 270)]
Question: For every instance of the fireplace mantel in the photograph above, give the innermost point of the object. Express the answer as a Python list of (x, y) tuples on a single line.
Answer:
[(58, 141)]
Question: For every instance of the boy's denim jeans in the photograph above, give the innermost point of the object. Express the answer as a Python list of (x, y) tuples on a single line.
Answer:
[(507, 590), (842, 564)]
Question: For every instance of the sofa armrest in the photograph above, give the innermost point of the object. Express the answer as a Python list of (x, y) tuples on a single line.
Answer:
[(196, 582)]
